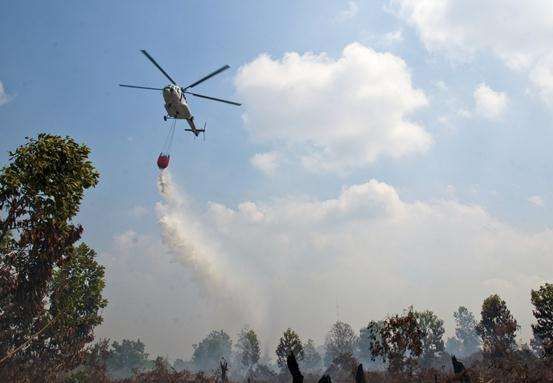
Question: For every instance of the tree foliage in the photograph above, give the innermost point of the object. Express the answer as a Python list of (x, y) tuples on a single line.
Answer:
[(126, 358), (465, 331), (398, 341), (208, 353), (542, 300), (497, 328), (181, 365), (367, 335), (44, 326), (76, 292), (289, 342), (248, 348), (94, 366), (312, 360), (341, 340), (433, 330)]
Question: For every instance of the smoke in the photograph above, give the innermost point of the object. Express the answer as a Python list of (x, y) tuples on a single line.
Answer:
[(283, 262), (184, 237), (187, 237)]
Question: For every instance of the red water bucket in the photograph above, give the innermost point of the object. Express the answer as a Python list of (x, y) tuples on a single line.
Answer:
[(163, 160)]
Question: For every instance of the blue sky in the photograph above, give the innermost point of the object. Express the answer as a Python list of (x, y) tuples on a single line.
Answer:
[(481, 155)]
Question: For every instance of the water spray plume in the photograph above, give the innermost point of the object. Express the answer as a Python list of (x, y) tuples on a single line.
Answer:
[(188, 240), (184, 236)]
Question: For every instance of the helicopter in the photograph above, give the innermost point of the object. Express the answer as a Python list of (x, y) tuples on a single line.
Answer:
[(175, 96), (176, 104)]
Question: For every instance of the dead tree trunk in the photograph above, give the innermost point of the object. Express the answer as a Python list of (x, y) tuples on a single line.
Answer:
[(224, 368), (461, 373), (294, 369), (360, 375)]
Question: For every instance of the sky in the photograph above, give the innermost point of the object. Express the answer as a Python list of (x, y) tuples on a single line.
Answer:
[(387, 154)]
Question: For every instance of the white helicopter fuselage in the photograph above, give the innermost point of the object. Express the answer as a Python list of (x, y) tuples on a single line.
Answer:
[(175, 103)]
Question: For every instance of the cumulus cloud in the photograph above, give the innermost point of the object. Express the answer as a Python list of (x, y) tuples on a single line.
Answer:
[(518, 32), (489, 103), (536, 200), (334, 114), (368, 243), (266, 162)]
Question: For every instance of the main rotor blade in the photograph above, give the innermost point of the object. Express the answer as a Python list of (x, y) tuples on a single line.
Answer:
[(221, 69), (157, 65), (213, 98), (139, 87)]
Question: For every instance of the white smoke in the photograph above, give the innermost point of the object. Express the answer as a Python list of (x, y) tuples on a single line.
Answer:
[(188, 239), (302, 256), (184, 237)]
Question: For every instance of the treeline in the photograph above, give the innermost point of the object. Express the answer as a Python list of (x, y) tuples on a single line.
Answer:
[(406, 345)]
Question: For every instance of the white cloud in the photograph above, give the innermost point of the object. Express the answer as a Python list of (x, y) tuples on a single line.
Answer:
[(334, 115), (299, 255), (542, 77), (250, 211), (139, 211), (536, 200), (518, 32), (266, 162), (4, 98), (383, 41), (126, 240), (489, 103), (393, 37), (349, 13)]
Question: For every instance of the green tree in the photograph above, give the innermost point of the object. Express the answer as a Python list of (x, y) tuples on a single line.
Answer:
[(542, 300), (248, 348), (289, 342), (126, 358), (340, 341), (465, 331), (76, 291), (366, 336), (398, 341), (93, 369), (312, 361), (432, 340), (497, 328), (208, 353), (40, 192)]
